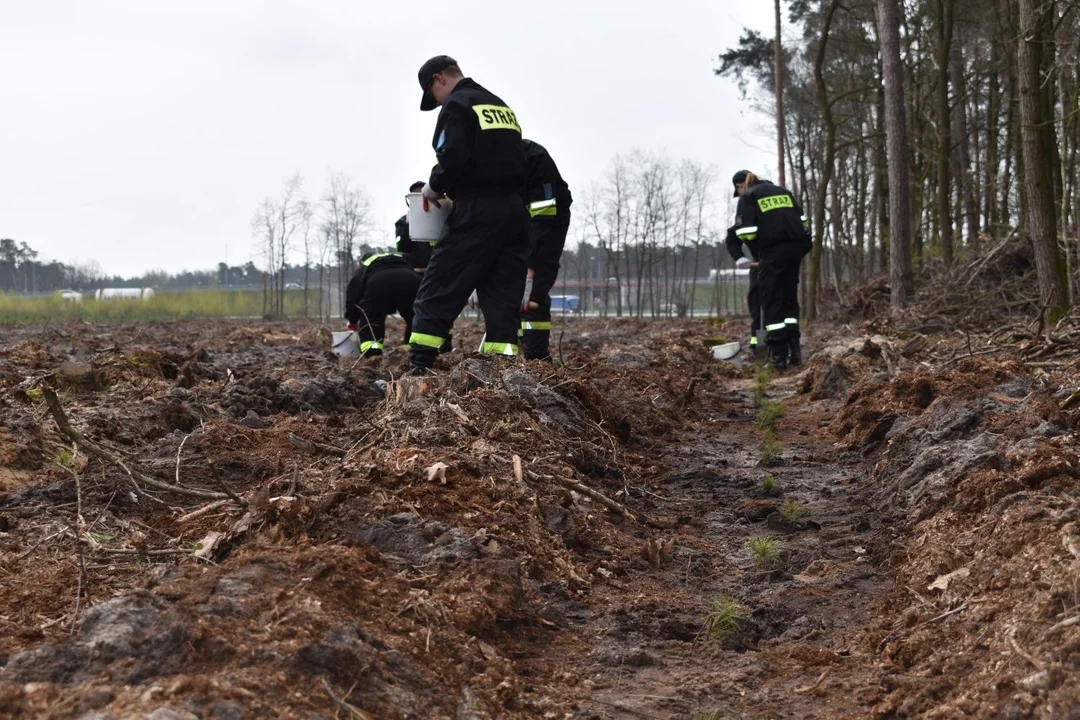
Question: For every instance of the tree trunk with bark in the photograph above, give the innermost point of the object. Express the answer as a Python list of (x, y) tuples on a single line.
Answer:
[(778, 73), (1037, 139), (901, 279), (944, 29)]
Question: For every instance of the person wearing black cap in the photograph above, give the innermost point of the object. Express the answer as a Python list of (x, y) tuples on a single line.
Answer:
[(484, 247), (770, 220), (549, 209)]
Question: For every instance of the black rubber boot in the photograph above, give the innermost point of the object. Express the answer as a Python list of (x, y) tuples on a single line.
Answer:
[(778, 358), (794, 352)]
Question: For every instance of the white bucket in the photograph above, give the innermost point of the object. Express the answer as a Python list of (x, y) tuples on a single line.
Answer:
[(727, 351), (427, 225), (346, 343)]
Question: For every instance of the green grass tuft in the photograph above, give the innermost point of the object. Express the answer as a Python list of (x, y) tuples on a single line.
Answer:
[(64, 458), (722, 620), (769, 414), (791, 510), (769, 486), (765, 551), (761, 383), (771, 449)]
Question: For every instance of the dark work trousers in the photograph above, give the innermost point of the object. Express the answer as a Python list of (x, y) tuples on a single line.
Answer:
[(547, 237), (753, 300), (778, 285), (485, 247), (791, 298), (388, 291)]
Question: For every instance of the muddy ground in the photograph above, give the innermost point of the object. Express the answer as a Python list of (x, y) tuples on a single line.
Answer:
[(609, 537)]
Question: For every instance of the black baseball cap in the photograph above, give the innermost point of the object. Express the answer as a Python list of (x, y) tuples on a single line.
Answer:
[(417, 186), (427, 75), (738, 179)]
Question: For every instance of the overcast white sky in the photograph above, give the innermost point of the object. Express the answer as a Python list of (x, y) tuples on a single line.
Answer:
[(142, 133)]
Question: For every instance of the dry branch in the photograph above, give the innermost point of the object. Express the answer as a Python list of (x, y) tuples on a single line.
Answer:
[(92, 448), (599, 497), (314, 448)]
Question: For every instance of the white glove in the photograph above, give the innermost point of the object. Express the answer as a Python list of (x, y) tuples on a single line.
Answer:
[(742, 262), (431, 195)]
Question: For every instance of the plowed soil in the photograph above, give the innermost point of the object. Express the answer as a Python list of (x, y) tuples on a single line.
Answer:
[(252, 527)]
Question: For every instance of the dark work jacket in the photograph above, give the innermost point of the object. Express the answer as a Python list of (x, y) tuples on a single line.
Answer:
[(369, 265), (478, 145), (768, 215), (545, 183)]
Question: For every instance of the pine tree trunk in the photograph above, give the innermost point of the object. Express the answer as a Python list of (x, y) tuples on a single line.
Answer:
[(901, 279), (944, 26), (827, 167), (963, 150), (1038, 177), (778, 63)]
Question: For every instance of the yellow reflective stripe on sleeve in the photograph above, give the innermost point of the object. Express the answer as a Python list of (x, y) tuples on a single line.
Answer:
[(376, 256), (497, 348), (775, 202), (496, 117), (425, 340), (774, 327), (746, 233), (535, 325), (542, 207), (370, 345)]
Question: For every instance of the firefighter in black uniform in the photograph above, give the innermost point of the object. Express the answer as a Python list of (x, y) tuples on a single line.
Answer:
[(385, 283), (549, 209), (769, 218), (735, 248), (486, 240)]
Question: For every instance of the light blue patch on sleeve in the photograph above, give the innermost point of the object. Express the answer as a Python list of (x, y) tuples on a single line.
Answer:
[(442, 140)]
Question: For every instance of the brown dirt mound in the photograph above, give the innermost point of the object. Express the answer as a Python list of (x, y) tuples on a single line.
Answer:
[(978, 466), (401, 544)]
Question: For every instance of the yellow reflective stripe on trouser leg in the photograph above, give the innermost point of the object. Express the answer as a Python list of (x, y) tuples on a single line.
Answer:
[(535, 324), (498, 348), (791, 321), (370, 345), (425, 340), (775, 327)]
